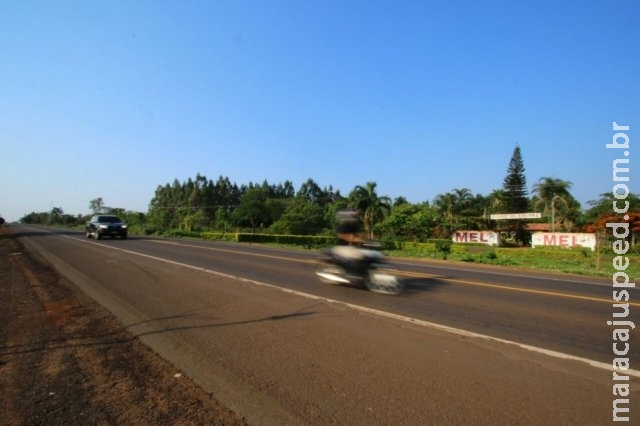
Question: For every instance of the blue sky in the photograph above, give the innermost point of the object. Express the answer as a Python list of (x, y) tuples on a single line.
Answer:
[(111, 99)]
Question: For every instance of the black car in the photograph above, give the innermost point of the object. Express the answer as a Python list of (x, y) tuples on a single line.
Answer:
[(106, 225)]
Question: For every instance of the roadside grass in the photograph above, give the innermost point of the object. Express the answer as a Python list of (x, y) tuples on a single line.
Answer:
[(574, 261)]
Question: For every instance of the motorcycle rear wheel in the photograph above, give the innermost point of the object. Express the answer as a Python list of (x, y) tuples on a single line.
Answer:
[(383, 281)]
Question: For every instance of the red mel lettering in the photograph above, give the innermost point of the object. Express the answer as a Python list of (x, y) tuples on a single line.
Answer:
[(473, 236), (564, 240)]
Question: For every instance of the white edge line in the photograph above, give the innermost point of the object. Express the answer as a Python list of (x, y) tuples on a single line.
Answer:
[(414, 321)]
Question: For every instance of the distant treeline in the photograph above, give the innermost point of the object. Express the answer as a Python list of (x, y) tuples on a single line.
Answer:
[(204, 205)]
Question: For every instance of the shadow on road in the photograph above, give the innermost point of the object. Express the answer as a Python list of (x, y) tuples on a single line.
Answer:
[(224, 324), (416, 285), (125, 334)]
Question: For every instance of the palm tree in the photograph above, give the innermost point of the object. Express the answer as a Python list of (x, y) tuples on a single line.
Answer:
[(373, 207), (444, 203), (462, 198), (550, 191), (452, 205)]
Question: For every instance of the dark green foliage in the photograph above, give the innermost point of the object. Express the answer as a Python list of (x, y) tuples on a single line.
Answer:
[(252, 210), (553, 199), (460, 210), (410, 222), (55, 217), (604, 205), (443, 247), (372, 207), (193, 204), (492, 255), (200, 204), (515, 185), (516, 195), (302, 217)]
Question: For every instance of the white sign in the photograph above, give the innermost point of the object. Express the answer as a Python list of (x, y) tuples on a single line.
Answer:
[(563, 239), (516, 216), (478, 237)]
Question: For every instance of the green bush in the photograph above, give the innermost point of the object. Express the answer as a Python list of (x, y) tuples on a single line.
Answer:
[(219, 236), (443, 247), (177, 233), (297, 240), (468, 258), (434, 247)]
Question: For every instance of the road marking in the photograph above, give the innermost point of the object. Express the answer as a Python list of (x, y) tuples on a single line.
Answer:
[(384, 314), (269, 256), (410, 274), (542, 292), (418, 275)]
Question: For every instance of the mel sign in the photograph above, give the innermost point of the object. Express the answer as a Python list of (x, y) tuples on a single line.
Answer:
[(563, 239), (477, 237)]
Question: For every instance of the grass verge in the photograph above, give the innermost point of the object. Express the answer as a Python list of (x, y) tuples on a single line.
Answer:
[(574, 261)]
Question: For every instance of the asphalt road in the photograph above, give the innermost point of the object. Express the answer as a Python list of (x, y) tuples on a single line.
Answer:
[(463, 344)]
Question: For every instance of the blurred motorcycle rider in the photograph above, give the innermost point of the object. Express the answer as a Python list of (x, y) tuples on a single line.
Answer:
[(349, 240)]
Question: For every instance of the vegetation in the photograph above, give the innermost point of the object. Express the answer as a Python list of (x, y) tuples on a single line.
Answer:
[(515, 184), (552, 193), (374, 208), (277, 213), (515, 195)]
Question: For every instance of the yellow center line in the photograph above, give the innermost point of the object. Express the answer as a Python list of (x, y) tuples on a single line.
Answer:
[(420, 275), (523, 290)]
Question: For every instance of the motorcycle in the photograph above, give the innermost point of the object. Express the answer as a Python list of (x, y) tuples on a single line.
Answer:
[(361, 267)]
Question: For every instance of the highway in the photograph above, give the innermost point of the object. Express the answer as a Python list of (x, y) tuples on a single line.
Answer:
[(463, 344)]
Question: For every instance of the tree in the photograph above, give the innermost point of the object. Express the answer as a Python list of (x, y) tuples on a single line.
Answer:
[(475, 212), (400, 201), (57, 212), (311, 191), (252, 209), (515, 193), (602, 212), (462, 203), (373, 207), (495, 201), (302, 217), (222, 220), (515, 184), (444, 204), (55, 215), (605, 204), (454, 206), (410, 221), (551, 191), (96, 205), (630, 219), (227, 195)]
